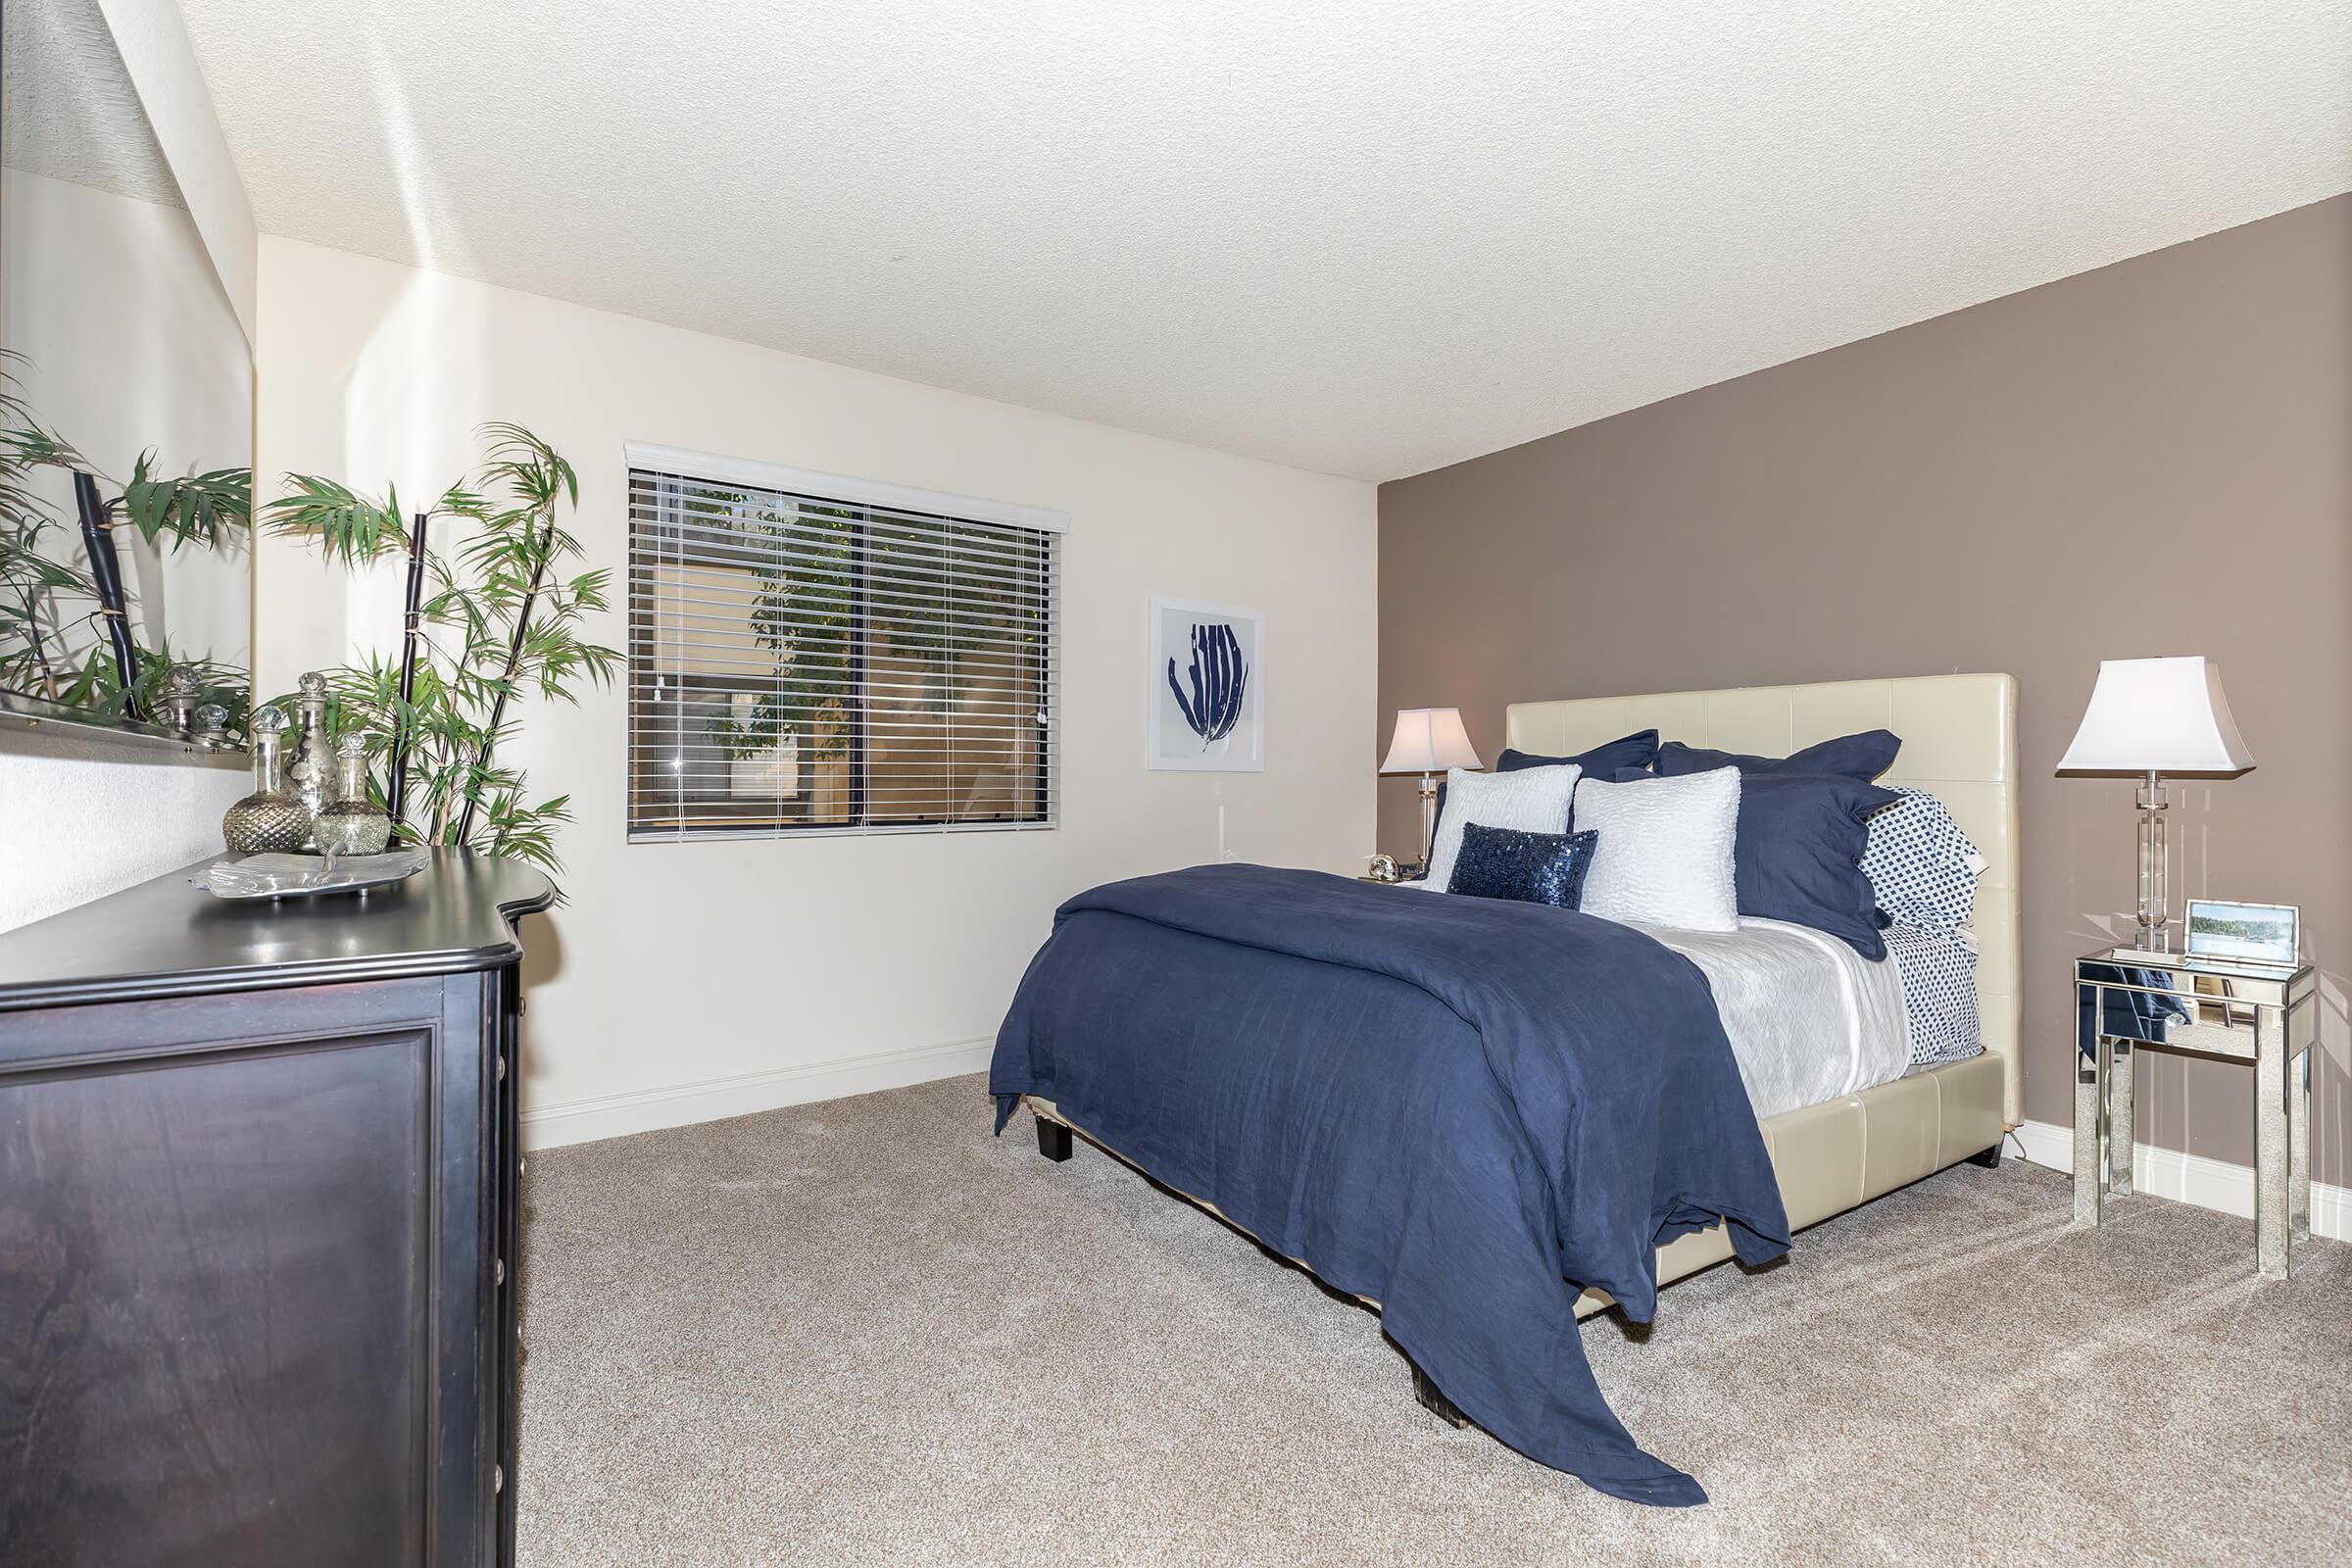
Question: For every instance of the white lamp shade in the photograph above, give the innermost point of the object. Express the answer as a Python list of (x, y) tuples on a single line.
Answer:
[(1429, 740), (2157, 716)]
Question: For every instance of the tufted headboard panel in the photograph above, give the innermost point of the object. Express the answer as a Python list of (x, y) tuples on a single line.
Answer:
[(1959, 737)]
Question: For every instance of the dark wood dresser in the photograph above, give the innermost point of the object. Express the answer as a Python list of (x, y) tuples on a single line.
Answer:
[(259, 1224)]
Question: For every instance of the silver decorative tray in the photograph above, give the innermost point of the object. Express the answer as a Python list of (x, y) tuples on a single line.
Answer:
[(305, 876)]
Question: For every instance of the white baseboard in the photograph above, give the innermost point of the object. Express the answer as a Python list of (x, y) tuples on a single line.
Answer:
[(2191, 1177), (645, 1111)]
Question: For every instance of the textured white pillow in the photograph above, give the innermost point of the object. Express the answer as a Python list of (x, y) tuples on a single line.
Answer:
[(1533, 800), (1664, 856)]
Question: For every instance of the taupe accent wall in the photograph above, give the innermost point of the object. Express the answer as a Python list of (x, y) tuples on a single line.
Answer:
[(2154, 458)]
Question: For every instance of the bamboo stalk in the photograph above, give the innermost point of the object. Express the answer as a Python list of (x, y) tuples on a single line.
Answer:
[(106, 571), (396, 789), (498, 705)]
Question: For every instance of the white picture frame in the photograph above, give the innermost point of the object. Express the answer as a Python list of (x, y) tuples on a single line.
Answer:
[(2244, 933), (1195, 721)]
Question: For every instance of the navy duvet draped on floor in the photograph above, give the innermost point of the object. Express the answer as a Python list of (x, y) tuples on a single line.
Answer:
[(1467, 1109)]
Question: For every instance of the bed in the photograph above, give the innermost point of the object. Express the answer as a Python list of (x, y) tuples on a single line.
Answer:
[(1959, 744), (1359, 1086)]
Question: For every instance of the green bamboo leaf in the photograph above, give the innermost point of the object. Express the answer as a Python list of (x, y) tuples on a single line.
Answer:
[(499, 623)]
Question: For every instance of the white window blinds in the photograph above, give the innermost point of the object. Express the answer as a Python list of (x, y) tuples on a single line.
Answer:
[(802, 662)]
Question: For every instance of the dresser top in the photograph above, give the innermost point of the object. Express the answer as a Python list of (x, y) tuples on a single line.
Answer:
[(168, 938)]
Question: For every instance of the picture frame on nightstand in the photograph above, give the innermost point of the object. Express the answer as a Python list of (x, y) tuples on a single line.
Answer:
[(2220, 931)]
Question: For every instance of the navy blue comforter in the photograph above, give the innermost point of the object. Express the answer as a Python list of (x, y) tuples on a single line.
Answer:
[(1466, 1109)]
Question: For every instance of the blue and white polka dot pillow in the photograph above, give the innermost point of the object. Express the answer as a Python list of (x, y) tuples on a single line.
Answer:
[(1938, 970), (1921, 866)]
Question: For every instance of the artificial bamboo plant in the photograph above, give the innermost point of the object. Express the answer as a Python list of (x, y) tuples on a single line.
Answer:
[(486, 622), (45, 646)]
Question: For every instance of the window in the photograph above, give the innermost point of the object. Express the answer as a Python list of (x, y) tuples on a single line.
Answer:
[(818, 654)]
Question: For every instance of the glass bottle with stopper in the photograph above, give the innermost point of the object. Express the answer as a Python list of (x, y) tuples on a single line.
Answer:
[(270, 820), (311, 763), (351, 823), (181, 690)]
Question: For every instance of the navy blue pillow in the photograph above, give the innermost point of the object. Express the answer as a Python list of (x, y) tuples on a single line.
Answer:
[(1800, 837), (1861, 756), (1501, 862), (1637, 749)]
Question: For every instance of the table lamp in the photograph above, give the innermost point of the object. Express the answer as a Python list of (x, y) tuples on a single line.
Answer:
[(1429, 741), (2153, 719)]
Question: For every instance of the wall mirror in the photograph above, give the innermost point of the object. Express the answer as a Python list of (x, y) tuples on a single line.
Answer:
[(126, 416)]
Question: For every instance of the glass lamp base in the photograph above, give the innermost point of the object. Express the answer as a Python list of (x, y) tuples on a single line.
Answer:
[(1428, 817), (2155, 916)]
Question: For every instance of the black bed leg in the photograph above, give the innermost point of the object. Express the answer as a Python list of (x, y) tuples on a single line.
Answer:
[(1053, 1140), (1989, 1158), (1433, 1402)]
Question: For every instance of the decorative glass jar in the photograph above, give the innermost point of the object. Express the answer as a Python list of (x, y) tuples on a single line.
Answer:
[(350, 824), (181, 689), (310, 759), (270, 820)]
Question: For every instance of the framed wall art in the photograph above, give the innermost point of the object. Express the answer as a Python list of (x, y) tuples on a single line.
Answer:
[(1207, 688)]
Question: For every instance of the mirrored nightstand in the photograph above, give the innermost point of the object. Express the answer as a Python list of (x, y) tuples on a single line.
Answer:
[(2264, 1014)]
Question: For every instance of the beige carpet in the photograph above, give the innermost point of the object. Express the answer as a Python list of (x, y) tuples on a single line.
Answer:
[(864, 1332)]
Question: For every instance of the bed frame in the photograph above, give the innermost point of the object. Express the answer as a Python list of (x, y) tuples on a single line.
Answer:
[(1960, 743)]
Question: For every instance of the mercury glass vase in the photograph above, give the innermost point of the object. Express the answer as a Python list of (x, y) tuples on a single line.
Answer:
[(351, 823), (270, 820), (310, 759)]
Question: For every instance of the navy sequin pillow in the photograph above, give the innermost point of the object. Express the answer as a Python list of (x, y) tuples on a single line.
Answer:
[(1501, 862)]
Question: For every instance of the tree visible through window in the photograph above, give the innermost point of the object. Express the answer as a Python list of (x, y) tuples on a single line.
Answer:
[(802, 662)]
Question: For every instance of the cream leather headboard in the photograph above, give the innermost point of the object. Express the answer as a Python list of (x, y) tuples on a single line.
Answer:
[(1959, 743)]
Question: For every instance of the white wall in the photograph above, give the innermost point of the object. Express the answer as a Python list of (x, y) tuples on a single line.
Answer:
[(79, 818), (693, 980)]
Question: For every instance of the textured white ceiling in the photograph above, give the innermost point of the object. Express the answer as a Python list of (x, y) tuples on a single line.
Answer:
[(1351, 236), (70, 112)]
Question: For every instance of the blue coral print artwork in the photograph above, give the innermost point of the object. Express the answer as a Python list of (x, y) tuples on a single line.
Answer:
[(1206, 665), (1219, 678)]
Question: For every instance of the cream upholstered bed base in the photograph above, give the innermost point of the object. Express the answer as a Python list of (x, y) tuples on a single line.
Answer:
[(1959, 735), (1842, 1153)]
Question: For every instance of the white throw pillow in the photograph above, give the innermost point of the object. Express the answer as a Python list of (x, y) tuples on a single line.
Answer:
[(1533, 800), (1664, 856)]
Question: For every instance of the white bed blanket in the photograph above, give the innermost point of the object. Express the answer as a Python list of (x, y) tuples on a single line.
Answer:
[(1808, 1017)]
